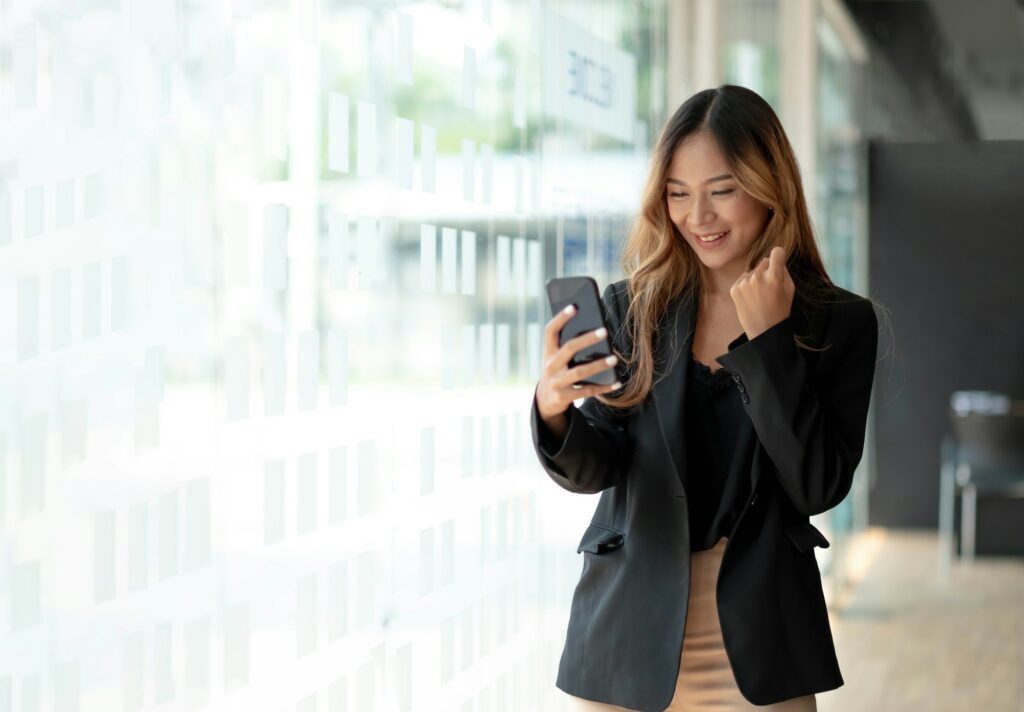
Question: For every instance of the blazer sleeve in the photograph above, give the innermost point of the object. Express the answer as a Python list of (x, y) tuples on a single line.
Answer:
[(594, 453), (814, 433)]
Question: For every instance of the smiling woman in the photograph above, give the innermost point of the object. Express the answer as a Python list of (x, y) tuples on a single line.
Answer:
[(699, 561), (723, 188)]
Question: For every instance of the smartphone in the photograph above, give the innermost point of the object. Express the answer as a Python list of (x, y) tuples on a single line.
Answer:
[(582, 292)]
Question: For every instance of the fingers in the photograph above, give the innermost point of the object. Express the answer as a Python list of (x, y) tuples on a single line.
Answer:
[(578, 343), (774, 264), (588, 390), (557, 390), (734, 289), (561, 358), (777, 260), (573, 375), (554, 326)]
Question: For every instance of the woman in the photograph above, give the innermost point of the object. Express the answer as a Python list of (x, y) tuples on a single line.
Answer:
[(744, 377)]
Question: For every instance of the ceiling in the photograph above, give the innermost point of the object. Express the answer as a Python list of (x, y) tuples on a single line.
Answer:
[(966, 55), (986, 58)]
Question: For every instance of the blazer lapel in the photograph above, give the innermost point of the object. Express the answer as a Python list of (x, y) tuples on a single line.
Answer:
[(669, 388)]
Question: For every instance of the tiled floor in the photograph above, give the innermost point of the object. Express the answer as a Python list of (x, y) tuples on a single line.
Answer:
[(906, 641)]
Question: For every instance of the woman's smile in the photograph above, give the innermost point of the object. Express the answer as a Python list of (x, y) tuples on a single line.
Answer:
[(712, 240)]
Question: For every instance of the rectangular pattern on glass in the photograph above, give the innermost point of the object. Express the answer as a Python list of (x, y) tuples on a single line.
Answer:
[(273, 502), (28, 317), (337, 132), (337, 249), (338, 494), (32, 483), (306, 514), (104, 557)]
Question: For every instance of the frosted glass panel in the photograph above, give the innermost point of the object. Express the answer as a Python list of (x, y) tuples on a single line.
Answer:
[(273, 285)]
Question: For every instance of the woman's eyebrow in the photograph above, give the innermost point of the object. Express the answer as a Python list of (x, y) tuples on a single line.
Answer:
[(725, 176)]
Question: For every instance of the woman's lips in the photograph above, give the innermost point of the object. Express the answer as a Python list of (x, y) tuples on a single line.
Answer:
[(714, 243)]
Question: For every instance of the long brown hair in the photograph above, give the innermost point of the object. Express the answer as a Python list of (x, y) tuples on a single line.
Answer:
[(658, 262)]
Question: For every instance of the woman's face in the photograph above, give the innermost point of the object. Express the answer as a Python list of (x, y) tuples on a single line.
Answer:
[(704, 200)]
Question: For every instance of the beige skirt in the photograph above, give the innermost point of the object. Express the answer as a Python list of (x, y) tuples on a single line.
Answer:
[(706, 682)]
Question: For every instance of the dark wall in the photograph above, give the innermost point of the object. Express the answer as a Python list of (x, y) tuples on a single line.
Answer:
[(947, 261)]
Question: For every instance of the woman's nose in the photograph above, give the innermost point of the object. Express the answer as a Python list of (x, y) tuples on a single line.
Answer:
[(702, 213)]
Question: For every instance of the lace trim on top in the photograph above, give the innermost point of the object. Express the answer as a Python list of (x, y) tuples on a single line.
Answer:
[(719, 379)]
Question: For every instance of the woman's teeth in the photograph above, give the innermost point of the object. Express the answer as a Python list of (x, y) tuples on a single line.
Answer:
[(711, 238)]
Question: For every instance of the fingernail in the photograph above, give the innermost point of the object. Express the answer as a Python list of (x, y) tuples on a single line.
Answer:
[(569, 309), (601, 333), (611, 360)]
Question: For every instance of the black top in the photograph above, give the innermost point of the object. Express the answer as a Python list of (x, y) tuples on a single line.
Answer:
[(715, 481), (719, 439)]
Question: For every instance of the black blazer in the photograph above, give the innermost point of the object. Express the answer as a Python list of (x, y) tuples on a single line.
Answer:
[(628, 611)]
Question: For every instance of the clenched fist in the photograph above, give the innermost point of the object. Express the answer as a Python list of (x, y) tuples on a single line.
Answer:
[(764, 295)]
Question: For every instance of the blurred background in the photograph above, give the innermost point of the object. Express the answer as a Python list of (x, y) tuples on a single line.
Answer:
[(271, 298)]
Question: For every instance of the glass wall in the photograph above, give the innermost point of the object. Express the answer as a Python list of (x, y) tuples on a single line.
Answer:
[(750, 55), (841, 199), (272, 279), (840, 183)]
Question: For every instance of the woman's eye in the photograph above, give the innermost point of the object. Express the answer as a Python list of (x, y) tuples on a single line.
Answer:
[(717, 192)]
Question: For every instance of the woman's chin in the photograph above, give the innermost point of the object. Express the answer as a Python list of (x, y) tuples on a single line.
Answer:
[(716, 258)]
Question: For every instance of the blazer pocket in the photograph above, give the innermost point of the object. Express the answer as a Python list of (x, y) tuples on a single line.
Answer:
[(599, 539), (805, 536)]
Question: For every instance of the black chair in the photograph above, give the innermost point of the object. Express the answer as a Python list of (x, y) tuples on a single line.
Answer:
[(982, 453)]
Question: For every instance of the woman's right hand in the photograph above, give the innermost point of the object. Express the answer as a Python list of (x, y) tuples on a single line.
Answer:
[(555, 391)]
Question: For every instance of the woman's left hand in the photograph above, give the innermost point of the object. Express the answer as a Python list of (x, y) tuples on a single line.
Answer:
[(764, 295)]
